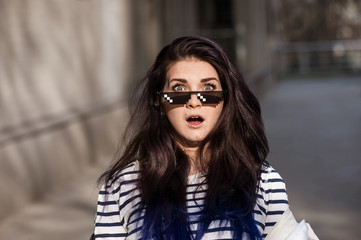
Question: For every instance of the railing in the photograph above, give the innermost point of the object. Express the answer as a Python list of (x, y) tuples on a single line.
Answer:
[(305, 57)]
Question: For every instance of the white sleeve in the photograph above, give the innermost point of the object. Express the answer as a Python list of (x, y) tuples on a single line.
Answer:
[(108, 223), (273, 198)]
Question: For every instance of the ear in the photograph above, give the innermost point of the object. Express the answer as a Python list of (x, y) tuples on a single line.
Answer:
[(156, 102)]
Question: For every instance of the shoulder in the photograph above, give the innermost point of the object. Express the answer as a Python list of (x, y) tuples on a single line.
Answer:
[(126, 178), (272, 186), (270, 175), (121, 192)]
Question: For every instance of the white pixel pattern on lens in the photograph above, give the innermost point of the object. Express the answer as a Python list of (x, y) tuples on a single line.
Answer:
[(201, 97), (168, 98)]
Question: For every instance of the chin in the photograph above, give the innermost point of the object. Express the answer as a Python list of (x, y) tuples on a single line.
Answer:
[(194, 141)]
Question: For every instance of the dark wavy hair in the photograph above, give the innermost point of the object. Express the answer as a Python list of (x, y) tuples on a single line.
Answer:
[(236, 147)]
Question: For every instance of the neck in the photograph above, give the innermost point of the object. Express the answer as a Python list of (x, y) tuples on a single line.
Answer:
[(192, 153), (194, 159)]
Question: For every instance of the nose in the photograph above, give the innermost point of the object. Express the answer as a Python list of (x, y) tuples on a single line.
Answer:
[(193, 102)]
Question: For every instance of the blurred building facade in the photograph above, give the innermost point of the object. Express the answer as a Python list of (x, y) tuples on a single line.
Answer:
[(319, 36), (67, 68)]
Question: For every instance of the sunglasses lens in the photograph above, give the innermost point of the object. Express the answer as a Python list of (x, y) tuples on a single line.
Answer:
[(176, 97), (210, 97), (180, 98)]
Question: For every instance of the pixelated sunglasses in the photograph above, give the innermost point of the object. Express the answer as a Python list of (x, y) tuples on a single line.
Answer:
[(206, 97)]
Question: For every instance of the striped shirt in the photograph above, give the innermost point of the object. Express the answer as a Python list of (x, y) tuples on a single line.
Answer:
[(119, 216)]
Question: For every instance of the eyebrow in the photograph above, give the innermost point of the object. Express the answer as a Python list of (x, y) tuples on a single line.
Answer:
[(209, 79), (184, 80)]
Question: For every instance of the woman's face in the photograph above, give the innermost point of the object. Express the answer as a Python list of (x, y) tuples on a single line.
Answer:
[(192, 120)]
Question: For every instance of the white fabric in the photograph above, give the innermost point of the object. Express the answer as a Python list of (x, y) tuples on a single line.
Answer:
[(287, 228)]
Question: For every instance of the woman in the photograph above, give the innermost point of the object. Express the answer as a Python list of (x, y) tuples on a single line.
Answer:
[(194, 167)]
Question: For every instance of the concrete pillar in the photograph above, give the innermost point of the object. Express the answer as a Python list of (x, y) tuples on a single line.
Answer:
[(252, 45)]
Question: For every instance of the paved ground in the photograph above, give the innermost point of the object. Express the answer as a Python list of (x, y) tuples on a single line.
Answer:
[(66, 213), (314, 129)]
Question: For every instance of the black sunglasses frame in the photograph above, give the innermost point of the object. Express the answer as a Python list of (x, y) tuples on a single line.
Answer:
[(182, 97)]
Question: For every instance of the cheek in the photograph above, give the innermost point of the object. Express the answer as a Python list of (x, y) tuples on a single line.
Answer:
[(174, 116), (215, 115), (218, 111)]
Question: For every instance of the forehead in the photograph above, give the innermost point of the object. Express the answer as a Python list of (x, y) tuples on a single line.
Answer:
[(191, 68)]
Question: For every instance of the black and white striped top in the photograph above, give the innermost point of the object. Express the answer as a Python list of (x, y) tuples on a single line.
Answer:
[(118, 213)]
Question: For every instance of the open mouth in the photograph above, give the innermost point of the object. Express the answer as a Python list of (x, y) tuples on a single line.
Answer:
[(195, 120)]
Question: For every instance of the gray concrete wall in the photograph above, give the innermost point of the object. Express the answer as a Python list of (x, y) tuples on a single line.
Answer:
[(61, 62)]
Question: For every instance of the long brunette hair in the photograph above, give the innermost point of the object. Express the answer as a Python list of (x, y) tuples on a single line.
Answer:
[(237, 146)]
